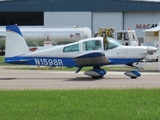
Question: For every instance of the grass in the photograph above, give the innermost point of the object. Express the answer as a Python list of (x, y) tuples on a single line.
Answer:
[(2, 61), (61, 68), (88, 104)]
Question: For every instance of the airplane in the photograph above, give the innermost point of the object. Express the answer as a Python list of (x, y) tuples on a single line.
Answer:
[(83, 53)]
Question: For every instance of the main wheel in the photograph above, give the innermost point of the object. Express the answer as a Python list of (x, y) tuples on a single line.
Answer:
[(97, 77)]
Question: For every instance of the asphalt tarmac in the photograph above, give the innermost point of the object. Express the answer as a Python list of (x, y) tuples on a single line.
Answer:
[(47, 79)]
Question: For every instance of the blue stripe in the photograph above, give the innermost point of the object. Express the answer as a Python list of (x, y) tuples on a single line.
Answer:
[(124, 60), (14, 28), (91, 55), (53, 61), (42, 61)]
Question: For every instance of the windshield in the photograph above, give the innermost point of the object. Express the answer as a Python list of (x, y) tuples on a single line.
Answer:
[(112, 43)]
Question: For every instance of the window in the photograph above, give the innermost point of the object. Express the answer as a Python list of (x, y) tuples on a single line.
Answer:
[(112, 43), (92, 45), (71, 48), (122, 36), (133, 36)]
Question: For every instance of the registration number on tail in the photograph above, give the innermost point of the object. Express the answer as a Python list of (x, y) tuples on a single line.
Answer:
[(49, 62)]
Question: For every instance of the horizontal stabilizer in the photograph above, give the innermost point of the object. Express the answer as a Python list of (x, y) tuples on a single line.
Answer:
[(7, 60)]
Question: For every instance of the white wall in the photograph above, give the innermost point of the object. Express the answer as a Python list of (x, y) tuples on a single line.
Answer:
[(107, 20), (143, 19), (68, 19), (93, 20)]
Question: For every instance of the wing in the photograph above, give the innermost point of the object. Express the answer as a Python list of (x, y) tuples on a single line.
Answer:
[(92, 59)]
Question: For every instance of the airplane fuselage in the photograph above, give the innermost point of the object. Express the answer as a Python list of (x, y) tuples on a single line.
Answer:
[(62, 55)]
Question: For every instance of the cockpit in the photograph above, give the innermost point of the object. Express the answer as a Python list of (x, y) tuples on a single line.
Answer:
[(91, 45)]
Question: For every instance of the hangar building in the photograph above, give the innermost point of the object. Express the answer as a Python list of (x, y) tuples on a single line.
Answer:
[(138, 15)]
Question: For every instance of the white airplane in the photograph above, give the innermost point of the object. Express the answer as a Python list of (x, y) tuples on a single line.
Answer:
[(86, 52)]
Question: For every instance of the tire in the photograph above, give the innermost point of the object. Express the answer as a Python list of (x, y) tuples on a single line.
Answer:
[(97, 77), (133, 77)]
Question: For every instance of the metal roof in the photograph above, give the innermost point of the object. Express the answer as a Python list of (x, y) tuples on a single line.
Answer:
[(78, 5)]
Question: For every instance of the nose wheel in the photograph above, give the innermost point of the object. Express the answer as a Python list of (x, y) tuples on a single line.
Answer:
[(133, 74)]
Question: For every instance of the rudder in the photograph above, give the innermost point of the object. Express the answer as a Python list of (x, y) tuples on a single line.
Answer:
[(15, 43)]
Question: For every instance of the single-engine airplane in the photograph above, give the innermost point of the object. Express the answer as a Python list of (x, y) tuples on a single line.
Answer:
[(86, 52)]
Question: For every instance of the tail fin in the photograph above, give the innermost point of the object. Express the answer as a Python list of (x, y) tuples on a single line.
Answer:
[(15, 44)]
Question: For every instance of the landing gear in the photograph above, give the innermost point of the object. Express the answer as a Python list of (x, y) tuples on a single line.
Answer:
[(131, 65), (96, 73), (133, 74)]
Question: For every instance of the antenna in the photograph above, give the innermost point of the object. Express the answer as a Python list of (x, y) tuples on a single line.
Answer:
[(36, 44)]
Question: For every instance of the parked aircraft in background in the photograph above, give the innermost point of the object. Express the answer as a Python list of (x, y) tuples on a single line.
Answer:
[(83, 53)]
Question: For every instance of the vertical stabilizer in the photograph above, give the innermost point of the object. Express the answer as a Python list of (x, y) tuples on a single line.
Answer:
[(15, 44)]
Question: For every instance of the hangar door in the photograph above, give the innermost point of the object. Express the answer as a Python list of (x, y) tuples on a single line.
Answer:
[(21, 18)]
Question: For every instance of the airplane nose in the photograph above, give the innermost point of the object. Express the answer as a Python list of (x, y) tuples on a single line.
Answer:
[(151, 49)]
